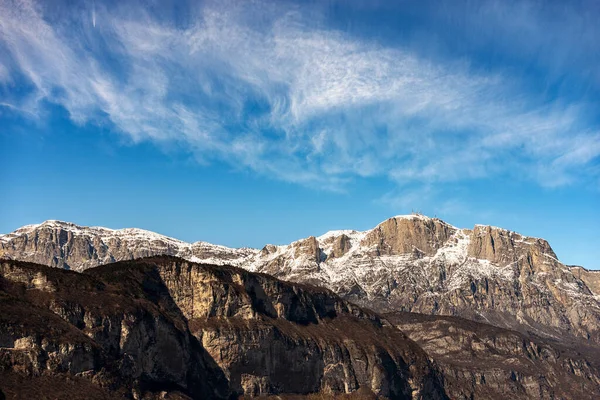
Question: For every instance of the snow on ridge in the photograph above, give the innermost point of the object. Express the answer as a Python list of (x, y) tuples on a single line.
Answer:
[(596, 271), (455, 252), (127, 234), (103, 232), (524, 237), (212, 246), (492, 227), (411, 216), (337, 233), (358, 264), (422, 218), (356, 237), (149, 235)]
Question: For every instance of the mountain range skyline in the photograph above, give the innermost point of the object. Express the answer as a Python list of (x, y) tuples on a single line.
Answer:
[(143, 234), (152, 234)]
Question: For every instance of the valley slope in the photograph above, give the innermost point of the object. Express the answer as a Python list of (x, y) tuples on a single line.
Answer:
[(167, 328)]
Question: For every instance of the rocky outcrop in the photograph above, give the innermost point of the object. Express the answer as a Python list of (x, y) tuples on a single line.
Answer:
[(125, 340), (590, 277), (482, 361), (420, 264), (399, 236), (165, 325), (270, 336), (69, 246), (278, 263), (340, 246), (502, 246)]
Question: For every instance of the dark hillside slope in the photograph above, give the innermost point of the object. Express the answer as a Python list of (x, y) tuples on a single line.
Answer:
[(167, 327), (486, 362)]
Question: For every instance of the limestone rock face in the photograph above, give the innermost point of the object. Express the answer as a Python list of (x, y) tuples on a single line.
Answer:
[(397, 236), (590, 277), (420, 264), (502, 246), (270, 336), (86, 327), (482, 361), (164, 325), (308, 248), (69, 246), (340, 246)]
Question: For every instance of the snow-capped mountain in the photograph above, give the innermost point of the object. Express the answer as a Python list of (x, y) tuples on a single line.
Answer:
[(406, 263), (420, 264), (66, 245)]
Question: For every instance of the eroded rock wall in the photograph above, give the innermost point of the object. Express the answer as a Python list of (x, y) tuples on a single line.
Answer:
[(165, 325)]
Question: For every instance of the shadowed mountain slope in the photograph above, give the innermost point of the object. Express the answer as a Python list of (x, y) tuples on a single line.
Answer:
[(486, 362), (165, 326)]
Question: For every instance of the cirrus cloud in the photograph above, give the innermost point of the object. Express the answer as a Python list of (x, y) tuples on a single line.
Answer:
[(289, 97)]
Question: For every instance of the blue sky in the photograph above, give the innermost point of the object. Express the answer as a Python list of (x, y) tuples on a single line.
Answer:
[(264, 122)]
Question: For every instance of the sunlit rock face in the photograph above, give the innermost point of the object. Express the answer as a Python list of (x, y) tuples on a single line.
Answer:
[(419, 264), (66, 245), (590, 277)]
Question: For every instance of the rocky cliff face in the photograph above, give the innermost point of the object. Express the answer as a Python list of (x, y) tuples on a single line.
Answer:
[(118, 340), (484, 362), (400, 236), (69, 246), (590, 277), (406, 263), (168, 327), (419, 264)]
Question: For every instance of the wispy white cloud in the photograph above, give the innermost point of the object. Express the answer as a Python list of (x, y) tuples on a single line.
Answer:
[(293, 99), (4, 73)]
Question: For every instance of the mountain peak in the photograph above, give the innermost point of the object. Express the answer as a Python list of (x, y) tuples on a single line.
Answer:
[(416, 217), (95, 230)]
